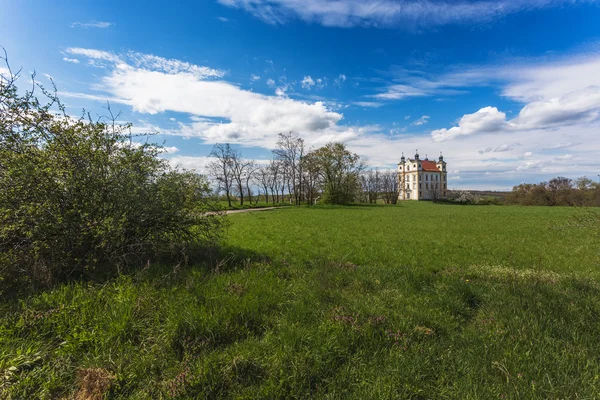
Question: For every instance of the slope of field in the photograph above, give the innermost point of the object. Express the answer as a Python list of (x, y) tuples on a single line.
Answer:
[(410, 301)]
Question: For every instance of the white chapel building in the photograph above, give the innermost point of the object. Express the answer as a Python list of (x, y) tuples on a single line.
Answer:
[(422, 179)]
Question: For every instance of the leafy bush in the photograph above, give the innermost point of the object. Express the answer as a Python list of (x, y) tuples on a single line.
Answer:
[(80, 197)]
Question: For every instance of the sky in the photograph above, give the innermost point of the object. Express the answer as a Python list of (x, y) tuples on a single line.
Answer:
[(508, 90)]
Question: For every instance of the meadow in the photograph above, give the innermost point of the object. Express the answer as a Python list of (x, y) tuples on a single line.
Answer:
[(415, 301)]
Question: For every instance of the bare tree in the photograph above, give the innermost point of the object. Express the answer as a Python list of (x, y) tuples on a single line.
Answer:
[(263, 176), (389, 187), (370, 182), (249, 175), (274, 180), (221, 169), (241, 174), (434, 191), (290, 151)]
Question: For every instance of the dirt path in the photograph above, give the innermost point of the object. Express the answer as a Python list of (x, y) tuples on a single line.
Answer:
[(251, 209)]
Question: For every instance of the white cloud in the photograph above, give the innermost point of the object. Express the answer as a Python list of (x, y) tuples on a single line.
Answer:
[(400, 91), (321, 83), (386, 13), (368, 104), (499, 149), (145, 61), (487, 119), (270, 83), (524, 81), (254, 78), (564, 157), (170, 150), (198, 164), (558, 93), (339, 81), (92, 24), (94, 54), (228, 113), (71, 60), (575, 107), (223, 19), (527, 154), (307, 82), (421, 121)]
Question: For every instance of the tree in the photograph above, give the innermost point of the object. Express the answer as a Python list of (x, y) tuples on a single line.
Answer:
[(311, 178), (433, 190), (249, 176), (559, 191), (290, 151), (221, 169), (264, 177), (339, 170), (389, 187), (79, 197), (370, 181)]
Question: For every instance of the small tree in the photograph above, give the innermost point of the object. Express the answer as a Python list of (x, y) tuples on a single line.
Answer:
[(339, 170)]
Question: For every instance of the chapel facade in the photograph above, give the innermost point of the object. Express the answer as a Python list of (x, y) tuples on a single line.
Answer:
[(422, 179)]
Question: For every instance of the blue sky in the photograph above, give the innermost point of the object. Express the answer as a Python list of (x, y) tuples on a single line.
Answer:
[(509, 90)]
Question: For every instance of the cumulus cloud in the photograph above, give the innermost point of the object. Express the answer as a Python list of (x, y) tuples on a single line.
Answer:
[(487, 119), (559, 93), (271, 83), (151, 85), (386, 13)]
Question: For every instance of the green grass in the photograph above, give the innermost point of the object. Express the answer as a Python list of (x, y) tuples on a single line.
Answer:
[(414, 301)]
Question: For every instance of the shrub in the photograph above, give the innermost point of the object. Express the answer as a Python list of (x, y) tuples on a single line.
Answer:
[(80, 197)]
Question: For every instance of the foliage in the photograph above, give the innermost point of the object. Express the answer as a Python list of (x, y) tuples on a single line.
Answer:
[(339, 171), (480, 303), (559, 191), (80, 197)]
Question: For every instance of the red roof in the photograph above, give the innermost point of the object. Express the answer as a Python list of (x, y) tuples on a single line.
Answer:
[(429, 166)]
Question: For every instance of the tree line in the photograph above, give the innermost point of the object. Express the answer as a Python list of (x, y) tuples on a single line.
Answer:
[(559, 191), (330, 174)]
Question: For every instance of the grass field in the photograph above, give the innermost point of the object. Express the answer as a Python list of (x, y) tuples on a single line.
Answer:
[(369, 302)]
